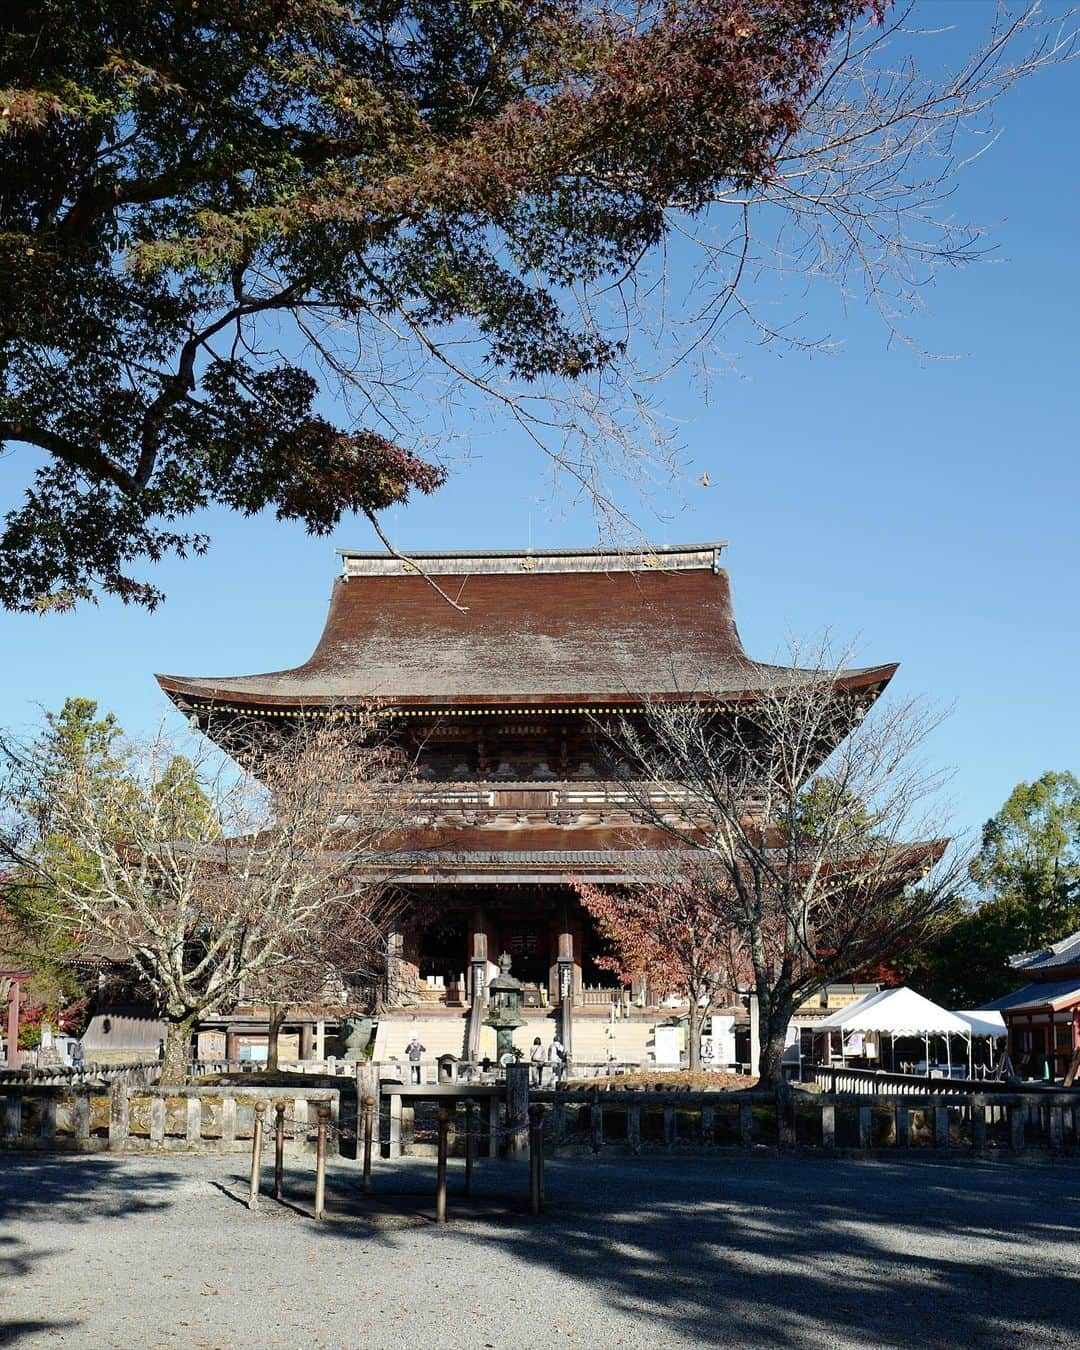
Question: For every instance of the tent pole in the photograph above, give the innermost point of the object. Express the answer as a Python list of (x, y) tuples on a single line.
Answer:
[(948, 1054), (926, 1038)]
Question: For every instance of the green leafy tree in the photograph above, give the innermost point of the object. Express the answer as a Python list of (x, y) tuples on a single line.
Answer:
[(213, 214), (1028, 869), (76, 741), (76, 745)]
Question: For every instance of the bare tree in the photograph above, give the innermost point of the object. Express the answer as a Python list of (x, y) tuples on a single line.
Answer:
[(817, 815), (338, 956), (671, 929), (207, 882)]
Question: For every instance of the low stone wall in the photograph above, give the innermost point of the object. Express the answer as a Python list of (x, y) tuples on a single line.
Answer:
[(834, 1078), (1000, 1123), (127, 1118), (92, 1073)]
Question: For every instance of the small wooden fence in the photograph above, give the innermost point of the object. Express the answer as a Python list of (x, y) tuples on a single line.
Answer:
[(135, 1119)]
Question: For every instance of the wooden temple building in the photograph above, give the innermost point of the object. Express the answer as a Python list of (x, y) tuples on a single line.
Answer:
[(1042, 1018), (497, 697)]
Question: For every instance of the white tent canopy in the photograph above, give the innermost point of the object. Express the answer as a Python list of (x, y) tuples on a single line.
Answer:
[(984, 1022), (895, 1012)]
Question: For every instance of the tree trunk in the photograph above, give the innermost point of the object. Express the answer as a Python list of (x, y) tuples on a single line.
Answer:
[(773, 1023), (177, 1058), (695, 1036), (277, 1021)]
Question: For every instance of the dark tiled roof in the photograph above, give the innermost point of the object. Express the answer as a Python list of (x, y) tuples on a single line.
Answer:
[(579, 629), (1037, 995), (1064, 952)]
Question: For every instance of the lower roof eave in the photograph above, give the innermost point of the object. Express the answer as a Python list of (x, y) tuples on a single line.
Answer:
[(201, 696)]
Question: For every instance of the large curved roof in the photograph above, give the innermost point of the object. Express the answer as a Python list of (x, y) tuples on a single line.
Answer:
[(580, 629)]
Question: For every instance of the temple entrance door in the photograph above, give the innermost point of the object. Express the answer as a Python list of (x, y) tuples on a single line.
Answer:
[(443, 949), (529, 945)]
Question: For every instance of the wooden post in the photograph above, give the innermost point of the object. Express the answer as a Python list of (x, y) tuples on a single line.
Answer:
[(1017, 1117), (536, 1158), (320, 1160), (279, 1150), (669, 1127), (978, 1124), (443, 1118), (472, 1124), (558, 1131), (903, 1127), (596, 1123), (633, 1128), (517, 1107), (256, 1155), (941, 1124), (708, 1126), (493, 1126), (864, 1126), (369, 1131), (1057, 1129), (746, 1124), (828, 1127)]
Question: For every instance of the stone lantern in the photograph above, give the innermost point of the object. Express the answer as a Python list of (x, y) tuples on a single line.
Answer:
[(504, 1002)]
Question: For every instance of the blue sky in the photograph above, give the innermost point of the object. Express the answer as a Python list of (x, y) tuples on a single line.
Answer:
[(926, 508)]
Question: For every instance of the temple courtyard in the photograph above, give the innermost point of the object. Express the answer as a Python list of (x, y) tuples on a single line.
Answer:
[(96, 1251)]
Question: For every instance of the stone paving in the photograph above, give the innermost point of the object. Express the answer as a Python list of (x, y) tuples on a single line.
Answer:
[(730, 1251)]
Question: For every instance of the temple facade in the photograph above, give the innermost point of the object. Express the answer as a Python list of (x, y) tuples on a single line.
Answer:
[(497, 670)]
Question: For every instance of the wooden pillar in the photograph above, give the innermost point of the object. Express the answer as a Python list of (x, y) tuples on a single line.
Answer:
[(478, 955), (395, 948), (307, 1038), (14, 1058), (232, 1045)]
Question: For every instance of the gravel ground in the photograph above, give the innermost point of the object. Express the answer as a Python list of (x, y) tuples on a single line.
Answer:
[(730, 1251)]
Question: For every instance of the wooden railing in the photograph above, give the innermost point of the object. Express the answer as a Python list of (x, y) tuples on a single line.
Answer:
[(598, 996)]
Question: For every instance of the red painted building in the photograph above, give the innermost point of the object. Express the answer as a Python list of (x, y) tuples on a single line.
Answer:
[(1043, 1017)]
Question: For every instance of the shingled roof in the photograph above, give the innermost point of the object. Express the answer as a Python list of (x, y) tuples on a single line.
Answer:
[(1064, 952), (575, 628)]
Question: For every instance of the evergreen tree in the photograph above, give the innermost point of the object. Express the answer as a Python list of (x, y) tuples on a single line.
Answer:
[(1028, 869)]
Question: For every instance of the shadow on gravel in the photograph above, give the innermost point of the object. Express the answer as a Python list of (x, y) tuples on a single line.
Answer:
[(41, 1187), (11, 1333), (777, 1252)]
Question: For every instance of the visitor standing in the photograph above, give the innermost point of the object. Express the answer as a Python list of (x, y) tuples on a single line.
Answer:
[(414, 1051), (537, 1058), (557, 1058)]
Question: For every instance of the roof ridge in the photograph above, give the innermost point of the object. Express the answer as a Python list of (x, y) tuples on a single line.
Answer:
[(659, 557)]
